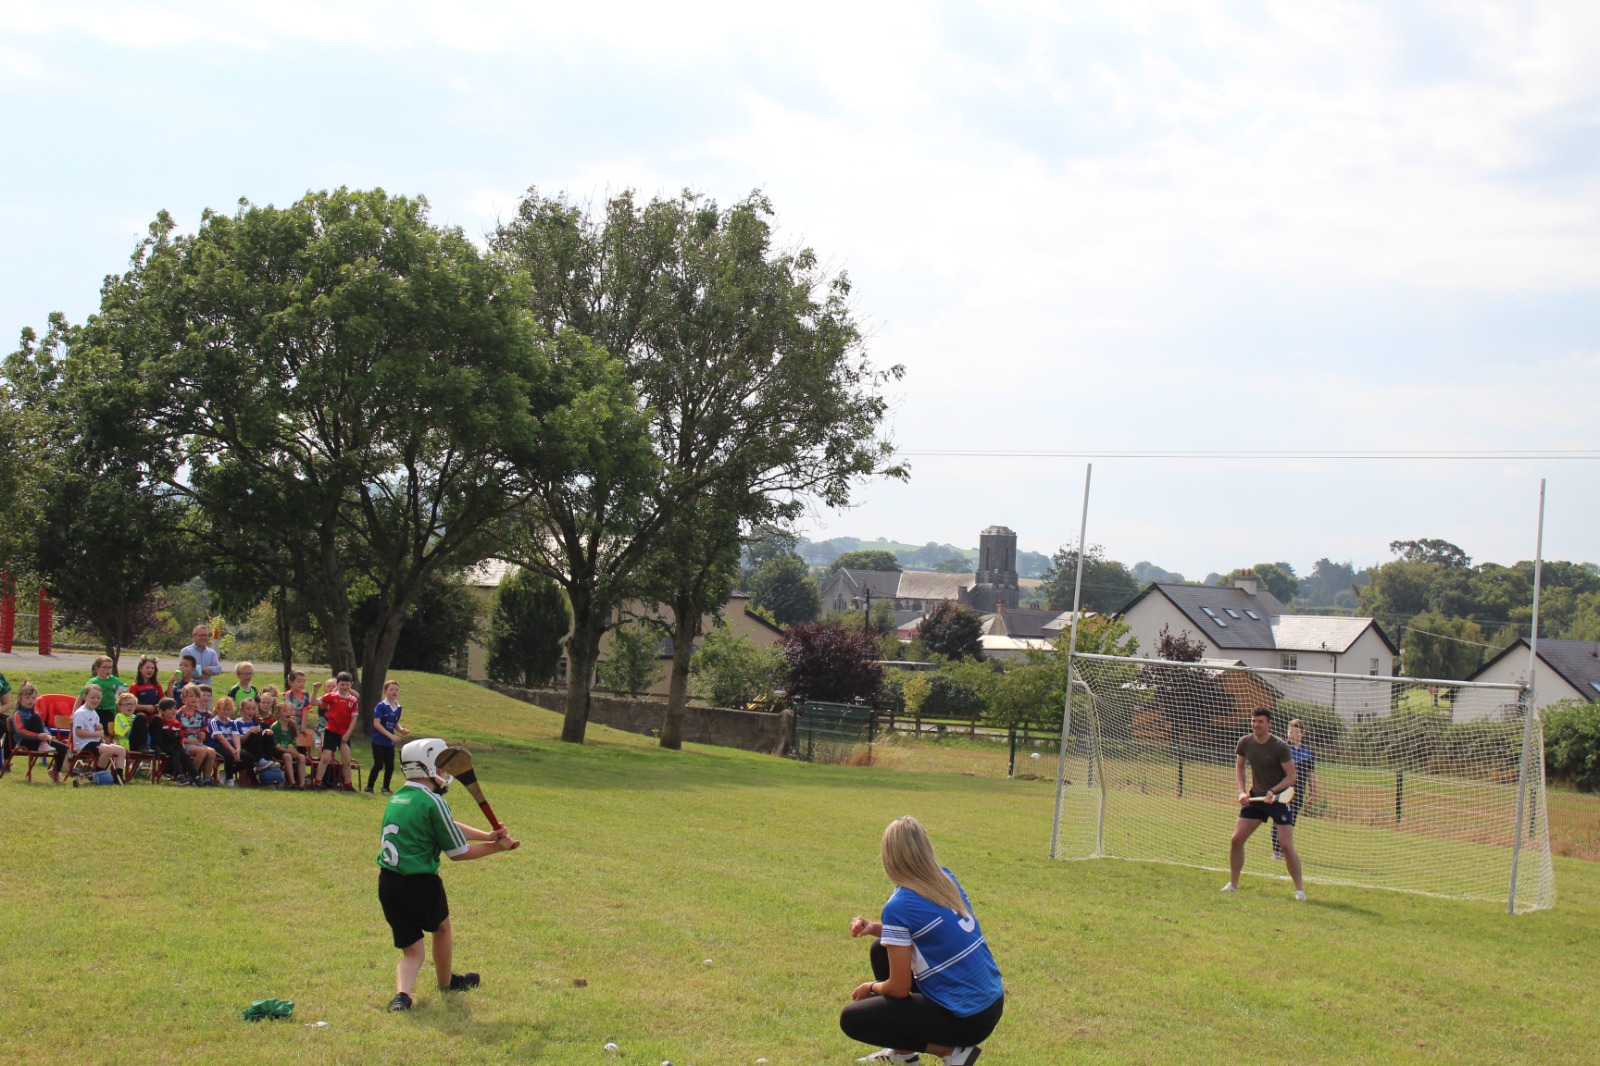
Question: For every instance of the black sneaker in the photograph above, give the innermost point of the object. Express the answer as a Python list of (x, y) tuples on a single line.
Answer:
[(461, 982), (401, 1001)]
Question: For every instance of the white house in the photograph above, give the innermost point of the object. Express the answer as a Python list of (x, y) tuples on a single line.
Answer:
[(1568, 670), (1248, 624)]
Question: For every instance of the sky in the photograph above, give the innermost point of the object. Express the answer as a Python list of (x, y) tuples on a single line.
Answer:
[(1297, 279)]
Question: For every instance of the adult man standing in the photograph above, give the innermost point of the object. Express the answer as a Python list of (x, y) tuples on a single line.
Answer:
[(207, 663), (1271, 772)]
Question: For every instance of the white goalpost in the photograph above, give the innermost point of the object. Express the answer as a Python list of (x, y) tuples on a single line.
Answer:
[(1419, 785)]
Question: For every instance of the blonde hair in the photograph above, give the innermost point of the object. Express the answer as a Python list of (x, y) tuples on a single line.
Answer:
[(909, 861), (244, 666), (98, 659), (270, 690)]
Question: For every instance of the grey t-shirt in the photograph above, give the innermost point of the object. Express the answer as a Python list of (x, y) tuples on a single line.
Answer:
[(1265, 761)]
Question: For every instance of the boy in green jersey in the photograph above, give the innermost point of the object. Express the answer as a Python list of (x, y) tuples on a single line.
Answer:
[(417, 828)]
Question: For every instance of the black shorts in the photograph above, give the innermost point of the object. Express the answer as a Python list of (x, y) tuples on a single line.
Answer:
[(1276, 813), (413, 904), (107, 718), (90, 750)]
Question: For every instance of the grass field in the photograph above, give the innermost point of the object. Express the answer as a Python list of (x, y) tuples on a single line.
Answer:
[(139, 921)]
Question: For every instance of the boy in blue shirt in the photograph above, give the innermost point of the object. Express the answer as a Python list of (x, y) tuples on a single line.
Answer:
[(386, 732)]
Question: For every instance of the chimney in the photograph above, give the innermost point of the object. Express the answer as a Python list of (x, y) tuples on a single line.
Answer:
[(1246, 581)]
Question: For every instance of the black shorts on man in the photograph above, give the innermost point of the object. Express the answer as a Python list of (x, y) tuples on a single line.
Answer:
[(1276, 813), (413, 904)]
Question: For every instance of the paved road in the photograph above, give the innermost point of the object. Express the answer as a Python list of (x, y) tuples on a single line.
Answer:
[(23, 661)]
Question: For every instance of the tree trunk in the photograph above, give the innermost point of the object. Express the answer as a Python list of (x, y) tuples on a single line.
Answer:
[(280, 618), (583, 651), (376, 656), (685, 627)]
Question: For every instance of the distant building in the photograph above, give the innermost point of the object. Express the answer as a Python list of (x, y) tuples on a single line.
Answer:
[(1568, 670), (1248, 624), (912, 593)]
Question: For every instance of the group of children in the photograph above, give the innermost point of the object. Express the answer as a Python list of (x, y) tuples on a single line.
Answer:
[(201, 736)]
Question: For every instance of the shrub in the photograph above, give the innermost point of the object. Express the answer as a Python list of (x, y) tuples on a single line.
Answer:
[(1572, 742), (731, 671)]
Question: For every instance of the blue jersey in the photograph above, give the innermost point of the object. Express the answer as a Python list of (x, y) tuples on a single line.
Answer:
[(1305, 764), (950, 960), (389, 718)]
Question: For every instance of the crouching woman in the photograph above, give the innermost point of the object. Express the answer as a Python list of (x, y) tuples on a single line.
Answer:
[(937, 988)]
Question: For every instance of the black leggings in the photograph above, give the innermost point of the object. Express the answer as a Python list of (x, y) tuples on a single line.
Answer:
[(33, 745), (177, 759), (912, 1023), (382, 756), (230, 765)]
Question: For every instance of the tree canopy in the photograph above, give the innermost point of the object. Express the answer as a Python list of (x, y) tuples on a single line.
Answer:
[(338, 377), (866, 560), (1107, 584), (749, 379)]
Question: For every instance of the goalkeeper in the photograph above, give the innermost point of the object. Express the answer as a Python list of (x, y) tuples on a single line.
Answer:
[(1272, 770)]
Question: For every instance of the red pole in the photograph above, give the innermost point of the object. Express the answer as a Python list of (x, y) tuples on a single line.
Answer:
[(46, 618), (8, 612)]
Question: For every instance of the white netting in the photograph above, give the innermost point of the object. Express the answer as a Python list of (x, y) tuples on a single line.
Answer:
[(1415, 788)]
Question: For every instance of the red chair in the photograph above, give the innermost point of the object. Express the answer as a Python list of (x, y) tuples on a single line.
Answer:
[(63, 724)]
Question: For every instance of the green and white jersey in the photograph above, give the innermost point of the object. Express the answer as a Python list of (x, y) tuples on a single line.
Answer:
[(417, 827)]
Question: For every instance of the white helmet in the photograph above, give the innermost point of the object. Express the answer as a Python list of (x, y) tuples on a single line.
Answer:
[(419, 759)]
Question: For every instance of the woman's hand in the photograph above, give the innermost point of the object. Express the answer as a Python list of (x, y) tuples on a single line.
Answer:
[(859, 926), (862, 991)]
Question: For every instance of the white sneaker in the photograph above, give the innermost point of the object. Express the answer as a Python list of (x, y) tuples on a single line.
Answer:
[(1300, 894), (889, 1054), (1230, 887), (230, 782), (962, 1056)]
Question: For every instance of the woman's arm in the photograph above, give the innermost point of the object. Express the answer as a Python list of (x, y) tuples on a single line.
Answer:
[(859, 926), (898, 986)]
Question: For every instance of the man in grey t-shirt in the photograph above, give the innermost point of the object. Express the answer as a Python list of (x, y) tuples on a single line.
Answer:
[(1271, 772), (207, 663)]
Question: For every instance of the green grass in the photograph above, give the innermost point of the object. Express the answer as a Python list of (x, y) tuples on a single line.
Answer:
[(139, 921)]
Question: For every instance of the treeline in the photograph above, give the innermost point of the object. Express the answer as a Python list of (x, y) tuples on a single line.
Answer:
[(328, 409)]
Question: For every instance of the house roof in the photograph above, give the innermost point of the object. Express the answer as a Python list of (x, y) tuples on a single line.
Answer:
[(1233, 618), (1330, 633), (1576, 661), (1019, 622), (1222, 616), (927, 585), (882, 582)]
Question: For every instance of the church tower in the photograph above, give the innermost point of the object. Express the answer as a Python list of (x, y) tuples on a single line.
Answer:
[(997, 570)]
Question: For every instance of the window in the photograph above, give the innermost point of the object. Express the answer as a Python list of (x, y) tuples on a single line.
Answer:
[(1362, 718), (1373, 669), (1231, 612), (1214, 616), (1595, 685), (1252, 615), (1291, 662), (1209, 611)]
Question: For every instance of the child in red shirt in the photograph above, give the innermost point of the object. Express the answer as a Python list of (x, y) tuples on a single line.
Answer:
[(338, 721)]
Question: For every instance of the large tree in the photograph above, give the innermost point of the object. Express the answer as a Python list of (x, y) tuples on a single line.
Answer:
[(746, 361), (340, 377), (784, 587), (866, 560), (1434, 645), (526, 628), (952, 630), (1107, 584)]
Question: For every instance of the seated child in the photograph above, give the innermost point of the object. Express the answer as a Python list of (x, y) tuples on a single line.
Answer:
[(166, 737), (286, 734), (146, 686), (245, 689), (31, 732), (88, 735), (299, 702), (129, 728), (224, 740), (192, 723), (186, 675)]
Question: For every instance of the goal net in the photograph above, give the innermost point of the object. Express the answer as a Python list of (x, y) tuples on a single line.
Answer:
[(1418, 786)]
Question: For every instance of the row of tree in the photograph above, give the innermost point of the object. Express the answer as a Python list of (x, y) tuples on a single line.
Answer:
[(332, 403)]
